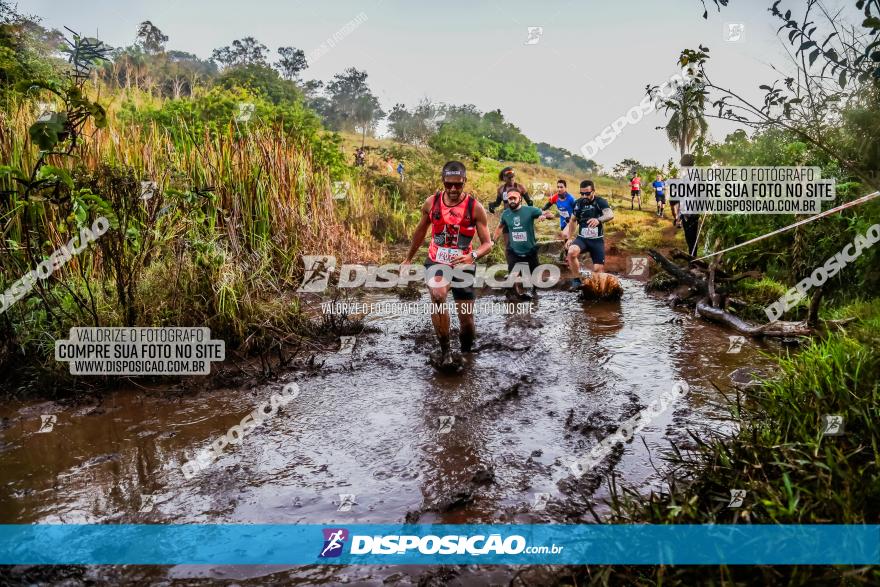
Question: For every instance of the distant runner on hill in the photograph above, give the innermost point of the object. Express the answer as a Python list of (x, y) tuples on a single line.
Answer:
[(507, 175), (659, 194), (635, 185)]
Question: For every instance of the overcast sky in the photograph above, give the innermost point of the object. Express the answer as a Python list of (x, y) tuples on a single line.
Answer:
[(588, 68)]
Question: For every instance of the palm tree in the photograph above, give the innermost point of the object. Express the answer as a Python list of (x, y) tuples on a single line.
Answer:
[(687, 124)]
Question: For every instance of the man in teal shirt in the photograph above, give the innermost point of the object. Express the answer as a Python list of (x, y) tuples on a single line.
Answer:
[(518, 224)]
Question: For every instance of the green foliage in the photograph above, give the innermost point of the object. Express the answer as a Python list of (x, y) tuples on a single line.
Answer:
[(49, 130), (791, 471), (466, 132), (261, 81), (187, 119), (791, 256), (564, 160), (27, 50)]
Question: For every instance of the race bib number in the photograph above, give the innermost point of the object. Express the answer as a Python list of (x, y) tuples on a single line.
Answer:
[(504, 196), (447, 254), (519, 237), (563, 213), (590, 231)]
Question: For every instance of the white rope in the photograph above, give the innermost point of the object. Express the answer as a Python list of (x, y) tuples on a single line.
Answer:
[(856, 202)]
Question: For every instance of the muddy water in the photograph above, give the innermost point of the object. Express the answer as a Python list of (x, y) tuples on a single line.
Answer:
[(375, 423)]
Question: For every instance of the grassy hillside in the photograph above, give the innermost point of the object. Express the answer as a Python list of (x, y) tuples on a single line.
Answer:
[(395, 204)]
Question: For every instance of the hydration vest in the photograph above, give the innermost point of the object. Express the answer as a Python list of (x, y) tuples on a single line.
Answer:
[(452, 227)]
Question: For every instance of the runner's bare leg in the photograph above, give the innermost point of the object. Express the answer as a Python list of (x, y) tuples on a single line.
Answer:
[(439, 315), (574, 263)]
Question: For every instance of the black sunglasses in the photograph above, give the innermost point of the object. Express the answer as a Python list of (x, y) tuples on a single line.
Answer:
[(452, 185), (586, 193)]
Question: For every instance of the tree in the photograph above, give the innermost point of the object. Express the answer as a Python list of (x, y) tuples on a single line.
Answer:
[(466, 132), (150, 38), (312, 88), (836, 65), (565, 160), (128, 66), (183, 71), (350, 105), (367, 114), (293, 61), (687, 123), (626, 167), (414, 127), (27, 49), (247, 51), (823, 109)]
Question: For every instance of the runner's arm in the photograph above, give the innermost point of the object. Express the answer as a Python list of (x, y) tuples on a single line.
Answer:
[(525, 195), (497, 234), (420, 232), (539, 216), (498, 199), (607, 215)]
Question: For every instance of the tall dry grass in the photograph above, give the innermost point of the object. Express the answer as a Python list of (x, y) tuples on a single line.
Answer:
[(230, 261)]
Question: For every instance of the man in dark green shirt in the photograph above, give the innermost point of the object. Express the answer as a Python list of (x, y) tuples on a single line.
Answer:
[(518, 225)]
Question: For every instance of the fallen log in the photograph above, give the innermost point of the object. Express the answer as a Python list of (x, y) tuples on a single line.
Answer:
[(703, 267), (682, 275), (779, 328), (693, 262)]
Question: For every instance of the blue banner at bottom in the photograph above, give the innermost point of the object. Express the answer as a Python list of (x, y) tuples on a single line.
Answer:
[(241, 544)]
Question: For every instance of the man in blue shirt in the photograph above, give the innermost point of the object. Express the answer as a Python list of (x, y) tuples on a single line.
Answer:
[(659, 194), (565, 204)]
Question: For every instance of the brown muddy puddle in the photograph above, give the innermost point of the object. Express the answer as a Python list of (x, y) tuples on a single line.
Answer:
[(375, 424)]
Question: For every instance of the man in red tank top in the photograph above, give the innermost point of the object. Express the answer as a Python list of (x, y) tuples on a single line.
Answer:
[(454, 217)]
